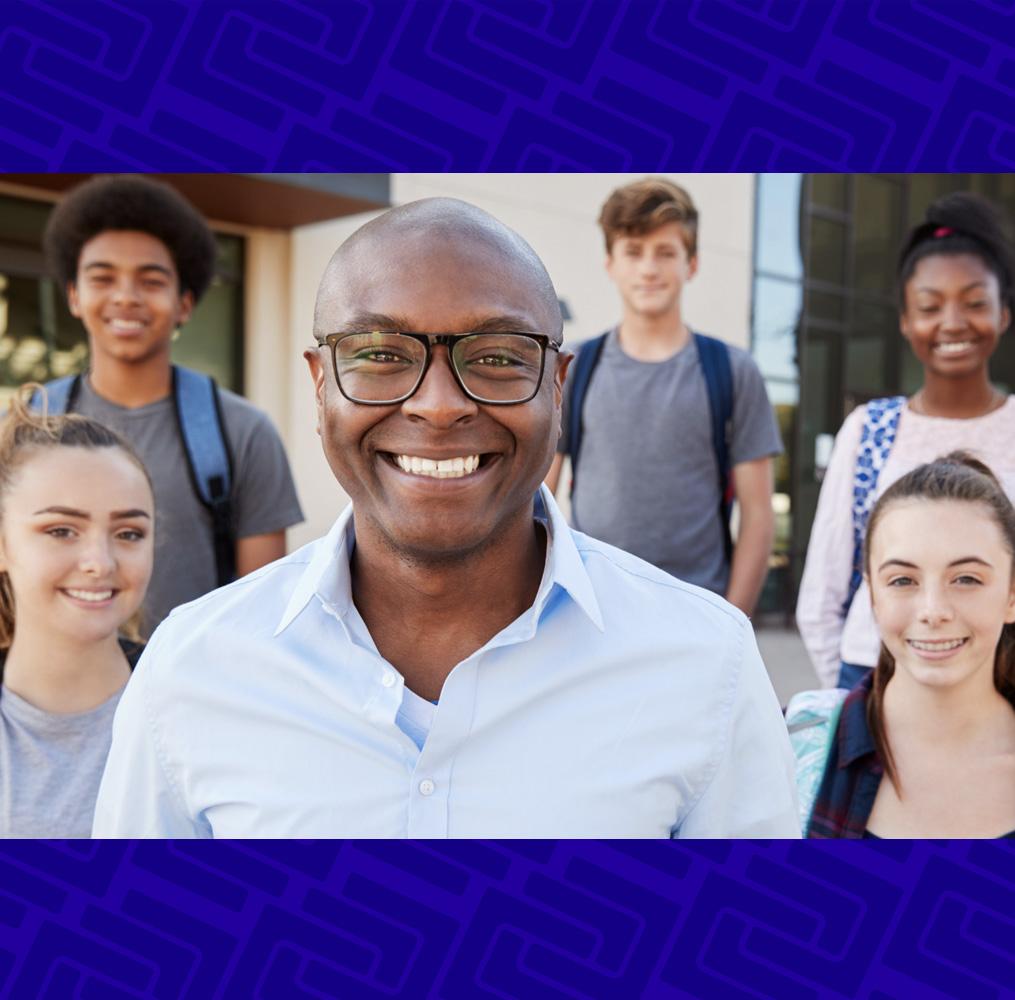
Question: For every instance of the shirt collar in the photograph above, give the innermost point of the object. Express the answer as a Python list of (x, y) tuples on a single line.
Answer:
[(565, 566), (855, 737), (327, 574)]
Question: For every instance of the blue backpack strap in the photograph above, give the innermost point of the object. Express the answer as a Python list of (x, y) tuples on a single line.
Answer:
[(582, 368), (880, 425), (61, 394), (199, 418), (714, 356)]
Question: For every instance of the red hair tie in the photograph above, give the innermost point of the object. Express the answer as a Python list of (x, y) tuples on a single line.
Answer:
[(942, 231)]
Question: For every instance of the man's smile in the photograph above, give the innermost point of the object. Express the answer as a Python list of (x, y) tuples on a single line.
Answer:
[(443, 468), (459, 466)]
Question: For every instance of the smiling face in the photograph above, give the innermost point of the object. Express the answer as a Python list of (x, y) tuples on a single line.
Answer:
[(953, 315), (650, 271), (941, 587), (127, 294), (76, 541), (438, 476)]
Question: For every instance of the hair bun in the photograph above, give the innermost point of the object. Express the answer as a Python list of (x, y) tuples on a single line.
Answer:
[(968, 460)]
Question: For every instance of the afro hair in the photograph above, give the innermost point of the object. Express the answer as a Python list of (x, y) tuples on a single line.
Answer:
[(137, 204)]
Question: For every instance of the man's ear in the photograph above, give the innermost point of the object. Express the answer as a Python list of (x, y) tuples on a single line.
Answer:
[(564, 359), (72, 299), (318, 373), (692, 267)]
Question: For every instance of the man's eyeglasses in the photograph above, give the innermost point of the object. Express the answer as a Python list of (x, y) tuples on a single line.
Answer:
[(379, 368)]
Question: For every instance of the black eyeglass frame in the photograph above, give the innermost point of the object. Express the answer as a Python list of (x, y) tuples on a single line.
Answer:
[(448, 340)]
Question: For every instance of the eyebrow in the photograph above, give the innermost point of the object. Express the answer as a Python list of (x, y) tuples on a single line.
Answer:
[(967, 288), (102, 264), (116, 515), (368, 322), (955, 562)]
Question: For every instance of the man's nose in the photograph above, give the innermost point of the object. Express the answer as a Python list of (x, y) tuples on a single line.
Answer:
[(440, 400)]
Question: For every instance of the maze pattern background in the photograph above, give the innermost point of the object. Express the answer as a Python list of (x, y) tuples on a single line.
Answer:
[(179, 85), (533, 85), (540, 921)]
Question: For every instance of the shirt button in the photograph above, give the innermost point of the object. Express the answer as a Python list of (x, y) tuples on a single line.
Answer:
[(426, 787), (388, 679)]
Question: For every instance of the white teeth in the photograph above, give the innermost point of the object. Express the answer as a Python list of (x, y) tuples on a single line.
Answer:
[(94, 596), (126, 324), (444, 468), (953, 348), (936, 646)]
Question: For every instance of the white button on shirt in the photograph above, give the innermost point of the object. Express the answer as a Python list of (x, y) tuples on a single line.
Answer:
[(623, 703)]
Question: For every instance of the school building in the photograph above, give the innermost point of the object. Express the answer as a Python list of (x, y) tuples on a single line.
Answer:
[(799, 268)]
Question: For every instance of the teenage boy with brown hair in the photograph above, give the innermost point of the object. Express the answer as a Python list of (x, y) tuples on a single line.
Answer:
[(670, 426)]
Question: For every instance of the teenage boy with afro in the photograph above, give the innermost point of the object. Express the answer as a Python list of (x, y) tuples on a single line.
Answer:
[(654, 480), (135, 258)]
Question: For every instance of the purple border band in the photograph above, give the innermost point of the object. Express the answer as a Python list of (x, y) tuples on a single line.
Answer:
[(526, 85)]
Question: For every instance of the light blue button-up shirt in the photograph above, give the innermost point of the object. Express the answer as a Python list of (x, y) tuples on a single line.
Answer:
[(623, 703)]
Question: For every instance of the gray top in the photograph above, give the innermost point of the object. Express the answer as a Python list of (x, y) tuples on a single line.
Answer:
[(50, 767), (648, 478), (264, 496)]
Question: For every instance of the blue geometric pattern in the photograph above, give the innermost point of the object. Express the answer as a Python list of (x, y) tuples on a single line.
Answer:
[(369, 85), (600, 920), (516, 85)]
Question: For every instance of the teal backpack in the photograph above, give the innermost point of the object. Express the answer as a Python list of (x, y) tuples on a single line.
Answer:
[(812, 718)]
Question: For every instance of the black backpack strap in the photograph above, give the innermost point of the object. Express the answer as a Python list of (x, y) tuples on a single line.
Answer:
[(131, 650), (582, 368), (199, 420), (60, 395), (715, 366)]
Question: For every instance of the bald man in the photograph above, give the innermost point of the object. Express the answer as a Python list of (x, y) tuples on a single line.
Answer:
[(451, 660)]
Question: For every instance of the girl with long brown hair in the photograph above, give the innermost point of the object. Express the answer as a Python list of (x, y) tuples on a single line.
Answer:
[(925, 747)]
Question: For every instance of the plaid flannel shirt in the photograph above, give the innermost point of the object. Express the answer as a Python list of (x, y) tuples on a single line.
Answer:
[(852, 775)]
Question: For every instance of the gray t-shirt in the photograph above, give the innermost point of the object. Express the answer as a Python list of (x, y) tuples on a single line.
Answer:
[(50, 767), (648, 477), (263, 495)]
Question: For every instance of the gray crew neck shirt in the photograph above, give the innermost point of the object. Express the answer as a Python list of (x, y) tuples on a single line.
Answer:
[(648, 477), (50, 767), (263, 495)]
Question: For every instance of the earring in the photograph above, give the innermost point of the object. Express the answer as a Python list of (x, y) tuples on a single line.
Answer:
[(176, 335)]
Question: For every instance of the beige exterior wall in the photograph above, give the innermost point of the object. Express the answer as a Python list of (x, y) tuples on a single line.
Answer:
[(557, 215)]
